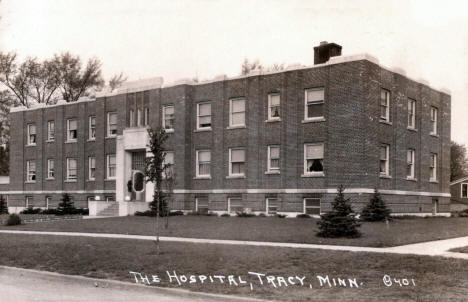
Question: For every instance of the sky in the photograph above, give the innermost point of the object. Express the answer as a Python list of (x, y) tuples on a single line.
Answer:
[(205, 38)]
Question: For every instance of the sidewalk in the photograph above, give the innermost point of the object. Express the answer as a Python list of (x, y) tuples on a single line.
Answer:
[(431, 248)]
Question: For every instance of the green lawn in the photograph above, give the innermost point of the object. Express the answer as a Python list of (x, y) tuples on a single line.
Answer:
[(398, 232), (436, 278)]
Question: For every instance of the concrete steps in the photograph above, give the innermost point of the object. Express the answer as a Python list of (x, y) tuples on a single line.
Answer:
[(111, 210)]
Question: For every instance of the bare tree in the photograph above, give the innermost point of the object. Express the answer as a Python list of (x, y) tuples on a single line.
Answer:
[(458, 161), (15, 78), (248, 67), (116, 81), (76, 82)]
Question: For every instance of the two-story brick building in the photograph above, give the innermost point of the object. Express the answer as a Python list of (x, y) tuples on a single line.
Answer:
[(268, 141)]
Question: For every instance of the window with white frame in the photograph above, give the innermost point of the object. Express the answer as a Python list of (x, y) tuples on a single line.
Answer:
[(273, 164), (111, 124), (91, 168), (48, 201), (274, 106), (92, 127), (30, 171), (236, 112), (111, 166), (411, 114), (313, 159), (384, 160), (433, 167), (146, 116), (139, 117), (72, 130), (314, 103), (201, 204), (204, 115), (168, 117), (50, 131), (272, 206), (50, 169), (434, 112), (410, 163), (131, 118), (203, 161), (169, 164), (236, 162), (235, 205), (385, 105), (312, 206), (29, 202), (464, 190), (32, 134), (72, 168)]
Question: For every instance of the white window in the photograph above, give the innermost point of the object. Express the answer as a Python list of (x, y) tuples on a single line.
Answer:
[(434, 120), (312, 206), (111, 166), (410, 164), (50, 130), (50, 169), (274, 106), (203, 163), (29, 201), (236, 162), (146, 116), (169, 164), (168, 118), (131, 116), (48, 201), (236, 112), (235, 205), (273, 164), (313, 159), (30, 171), (111, 124), (464, 190), (204, 115), (91, 168), (31, 134), (272, 206), (72, 130), (411, 113), (71, 169), (139, 117), (314, 103), (92, 127), (201, 205), (385, 105), (433, 167), (384, 160)]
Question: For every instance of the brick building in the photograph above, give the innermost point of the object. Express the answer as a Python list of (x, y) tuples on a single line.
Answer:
[(269, 141)]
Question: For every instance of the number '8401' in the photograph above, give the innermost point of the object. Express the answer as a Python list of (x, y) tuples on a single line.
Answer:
[(389, 281)]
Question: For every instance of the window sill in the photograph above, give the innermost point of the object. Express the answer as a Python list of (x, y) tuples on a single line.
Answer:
[(50, 141), (434, 135), (433, 181), (314, 120), (50, 178), (70, 180), (272, 172), (385, 122), (30, 182), (169, 130), (111, 137), (91, 140), (237, 127), (411, 179), (385, 176), (71, 142), (412, 129), (317, 174), (202, 129), (235, 176), (273, 120), (202, 177), (109, 179), (31, 145)]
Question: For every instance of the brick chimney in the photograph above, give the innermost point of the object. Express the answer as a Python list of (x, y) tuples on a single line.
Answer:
[(324, 51)]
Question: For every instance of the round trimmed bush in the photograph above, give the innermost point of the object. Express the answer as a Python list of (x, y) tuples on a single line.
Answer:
[(13, 219)]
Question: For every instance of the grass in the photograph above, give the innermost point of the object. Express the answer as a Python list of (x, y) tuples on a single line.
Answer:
[(436, 278), (375, 234)]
